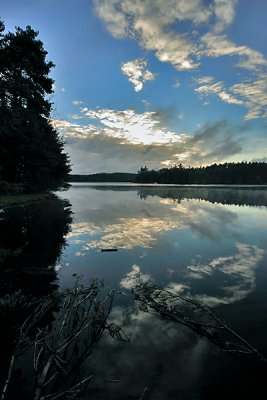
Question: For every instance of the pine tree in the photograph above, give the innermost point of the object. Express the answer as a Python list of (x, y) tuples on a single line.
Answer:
[(31, 151)]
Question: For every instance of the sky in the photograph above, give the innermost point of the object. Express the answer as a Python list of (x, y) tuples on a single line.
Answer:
[(153, 82)]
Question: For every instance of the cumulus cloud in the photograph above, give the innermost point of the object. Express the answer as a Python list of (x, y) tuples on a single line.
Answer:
[(225, 12), (149, 22), (136, 127), (156, 26), (137, 73), (142, 139)]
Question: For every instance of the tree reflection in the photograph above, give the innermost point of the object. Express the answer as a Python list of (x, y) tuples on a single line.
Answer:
[(31, 240), (32, 237), (232, 195), (221, 195)]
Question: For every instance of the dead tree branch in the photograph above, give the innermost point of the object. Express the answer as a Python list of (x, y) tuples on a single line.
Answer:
[(193, 314)]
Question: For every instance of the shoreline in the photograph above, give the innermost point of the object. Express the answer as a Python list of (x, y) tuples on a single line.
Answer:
[(7, 200)]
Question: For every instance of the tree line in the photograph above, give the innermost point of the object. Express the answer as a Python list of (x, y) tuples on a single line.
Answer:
[(32, 156), (241, 173), (103, 177)]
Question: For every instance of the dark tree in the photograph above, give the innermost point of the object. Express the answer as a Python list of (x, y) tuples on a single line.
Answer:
[(253, 173), (31, 151)]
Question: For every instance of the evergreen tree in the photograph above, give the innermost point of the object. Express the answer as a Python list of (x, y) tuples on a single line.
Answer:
[(31, 151)]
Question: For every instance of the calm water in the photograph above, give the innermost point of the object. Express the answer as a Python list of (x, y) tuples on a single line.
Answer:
[(206, 243), (209, 244)]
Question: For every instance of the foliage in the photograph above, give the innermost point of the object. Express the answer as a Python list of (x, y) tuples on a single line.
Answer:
[(31, 151), (242, 173)]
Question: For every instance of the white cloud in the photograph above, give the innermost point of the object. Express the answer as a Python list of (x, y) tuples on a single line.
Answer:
[(251, 94), (218, 89), (225, 12), (176, 84), (137, 73), (210, 88), (219, 45), (149, 23), (77, 102), (141, 139), (204, 79), (254, 94), (143, 128), (115, 19), (153, 24), (228, 98)]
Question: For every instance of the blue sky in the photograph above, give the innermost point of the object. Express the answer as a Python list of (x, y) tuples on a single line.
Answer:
[(154, 82)]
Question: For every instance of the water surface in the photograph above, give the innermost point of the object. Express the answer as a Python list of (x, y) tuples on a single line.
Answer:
[(206, 243)]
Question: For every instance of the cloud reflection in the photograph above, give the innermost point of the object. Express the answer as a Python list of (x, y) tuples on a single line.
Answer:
[(159, 372), (237, 274), (235, 277), (125, 234), (131, 223), (194, 247)]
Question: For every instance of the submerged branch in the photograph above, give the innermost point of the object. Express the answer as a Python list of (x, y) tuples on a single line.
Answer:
[(193, 314), (60, 347)]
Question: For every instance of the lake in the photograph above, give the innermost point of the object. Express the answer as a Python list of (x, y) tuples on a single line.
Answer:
[(208, 244)]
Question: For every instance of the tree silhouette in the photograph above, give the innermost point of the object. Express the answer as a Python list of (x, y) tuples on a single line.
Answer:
[(242, 173), (31, 151)]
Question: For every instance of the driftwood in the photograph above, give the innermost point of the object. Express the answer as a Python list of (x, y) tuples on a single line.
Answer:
[(60, 348), (193, 314), (109, 250)]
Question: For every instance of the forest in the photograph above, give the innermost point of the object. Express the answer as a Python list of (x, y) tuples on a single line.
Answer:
[(242, 173)]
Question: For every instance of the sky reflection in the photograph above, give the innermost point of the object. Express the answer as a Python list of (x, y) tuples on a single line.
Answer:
[(205, 243), (209, 250)]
